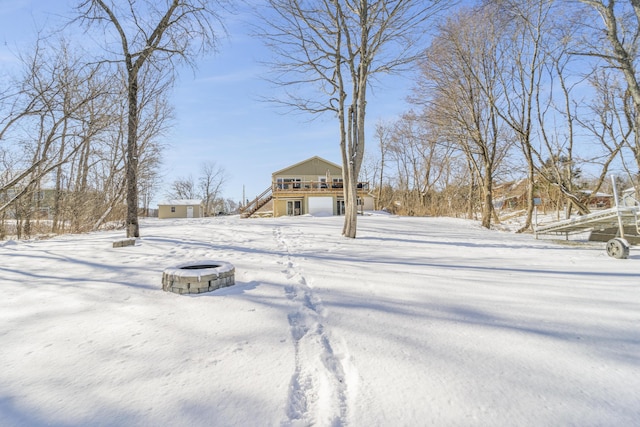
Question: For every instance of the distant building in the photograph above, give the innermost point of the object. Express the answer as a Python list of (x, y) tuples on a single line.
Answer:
[(511, 195), (41, 203), (181, 209), (596, 200)]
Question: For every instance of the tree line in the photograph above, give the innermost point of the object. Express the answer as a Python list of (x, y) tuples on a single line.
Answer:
[(540, 90), (81, 122), (63, 142)]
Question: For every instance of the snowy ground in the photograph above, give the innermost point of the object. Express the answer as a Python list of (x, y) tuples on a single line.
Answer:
[(418, 321)]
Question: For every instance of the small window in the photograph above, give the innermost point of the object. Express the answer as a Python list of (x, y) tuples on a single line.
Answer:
[(173, 209)]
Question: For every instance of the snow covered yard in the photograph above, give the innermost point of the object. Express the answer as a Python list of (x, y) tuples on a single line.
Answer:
[(418, 321)]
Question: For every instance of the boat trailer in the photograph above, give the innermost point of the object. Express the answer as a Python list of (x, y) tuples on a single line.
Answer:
[(618, 216)]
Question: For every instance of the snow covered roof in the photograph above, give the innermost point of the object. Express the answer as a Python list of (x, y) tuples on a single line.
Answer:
[(181, 202)]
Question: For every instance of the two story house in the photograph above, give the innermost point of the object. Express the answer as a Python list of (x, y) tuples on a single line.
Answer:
[(313, 186)]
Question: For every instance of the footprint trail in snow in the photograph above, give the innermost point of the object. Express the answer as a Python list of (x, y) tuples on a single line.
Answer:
[(318, 390)]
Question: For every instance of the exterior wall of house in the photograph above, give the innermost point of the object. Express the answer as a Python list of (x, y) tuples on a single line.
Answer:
[(311, 169), (44, 201), (281, 206), (41, 202), (302, 203), (310, 179), (368, 203), (313, 186), (180, 209)]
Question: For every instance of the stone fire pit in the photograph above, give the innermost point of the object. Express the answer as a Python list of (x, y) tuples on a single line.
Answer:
[(197, 277)]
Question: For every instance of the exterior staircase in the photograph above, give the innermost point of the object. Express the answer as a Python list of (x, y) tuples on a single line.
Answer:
[(253, 206)]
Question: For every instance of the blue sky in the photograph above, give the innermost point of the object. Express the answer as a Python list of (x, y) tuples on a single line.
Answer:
[(219, 116)]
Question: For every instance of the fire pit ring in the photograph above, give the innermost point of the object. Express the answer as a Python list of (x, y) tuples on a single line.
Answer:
[(198, 277)]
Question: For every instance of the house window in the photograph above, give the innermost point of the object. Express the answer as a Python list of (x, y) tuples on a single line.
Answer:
[(337, 183), (288, 183), (173, 209)]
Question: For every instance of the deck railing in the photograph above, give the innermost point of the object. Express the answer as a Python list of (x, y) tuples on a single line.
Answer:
[(314, 186), (261, 200)]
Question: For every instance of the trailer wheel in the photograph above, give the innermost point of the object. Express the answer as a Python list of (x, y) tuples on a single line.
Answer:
[(618, 248)]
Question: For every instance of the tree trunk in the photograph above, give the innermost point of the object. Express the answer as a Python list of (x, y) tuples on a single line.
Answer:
[(133, 228), (57, 198), (349, 185), (487, 205), (351, 209), (530, 189), (356, 119), (380, 184), (354, 162)]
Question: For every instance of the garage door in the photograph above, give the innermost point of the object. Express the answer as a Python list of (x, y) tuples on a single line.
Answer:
[(321, 205)]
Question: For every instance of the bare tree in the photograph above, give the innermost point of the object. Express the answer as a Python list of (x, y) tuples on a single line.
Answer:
[(382, 135), (337, 48), (156, 117), (557, 111), (210, 182), (524, 24), (616, 43), (150, 37), (183, 189), (207, 186), (458, 88), (53, 110)]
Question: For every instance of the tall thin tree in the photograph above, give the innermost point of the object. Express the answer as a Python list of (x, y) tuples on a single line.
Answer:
[(337, 47), (149, 34)]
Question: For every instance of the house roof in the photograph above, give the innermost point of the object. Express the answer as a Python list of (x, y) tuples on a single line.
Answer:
[(318, 160), (181, 202)]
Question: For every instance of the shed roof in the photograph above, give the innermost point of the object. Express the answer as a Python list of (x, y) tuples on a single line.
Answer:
[(181, 202)]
